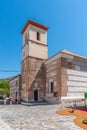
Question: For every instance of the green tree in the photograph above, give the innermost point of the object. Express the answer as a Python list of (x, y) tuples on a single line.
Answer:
[(4, 88)]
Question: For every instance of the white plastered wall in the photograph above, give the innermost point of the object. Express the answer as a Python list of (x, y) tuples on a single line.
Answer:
[(25, 51), (27, 31), (34, 49), (77, 83), (33, 31), (38, 51)]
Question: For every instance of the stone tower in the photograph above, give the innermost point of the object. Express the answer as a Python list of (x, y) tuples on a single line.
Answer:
[(34, 53)]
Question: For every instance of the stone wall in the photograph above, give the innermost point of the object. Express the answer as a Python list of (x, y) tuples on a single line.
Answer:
[(73, 76), (77, 83), (15, 87), (53, 69), (64, 79), (66, 72), (34, 79)]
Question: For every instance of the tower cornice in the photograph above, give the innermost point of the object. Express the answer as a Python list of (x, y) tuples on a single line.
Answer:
[(33, 41), (33, 58), (30, 22)]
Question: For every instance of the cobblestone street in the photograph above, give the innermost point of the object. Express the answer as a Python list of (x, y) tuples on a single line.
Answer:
[(20, 117)]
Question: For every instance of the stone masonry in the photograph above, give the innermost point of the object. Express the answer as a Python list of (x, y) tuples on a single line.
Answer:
[(43, 78), (15, 87), (33, 79)]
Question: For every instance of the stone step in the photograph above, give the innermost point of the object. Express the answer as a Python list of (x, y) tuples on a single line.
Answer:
[(34, 103)]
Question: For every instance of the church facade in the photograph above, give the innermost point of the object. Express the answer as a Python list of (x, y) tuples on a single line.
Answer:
[(49, 79)]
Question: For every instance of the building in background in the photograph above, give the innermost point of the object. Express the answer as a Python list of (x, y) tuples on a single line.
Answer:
[(15, 87)]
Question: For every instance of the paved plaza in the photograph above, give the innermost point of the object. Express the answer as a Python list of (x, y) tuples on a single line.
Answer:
[(44, 117)]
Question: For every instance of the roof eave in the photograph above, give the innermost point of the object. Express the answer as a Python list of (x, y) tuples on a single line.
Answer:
[(30, 22)]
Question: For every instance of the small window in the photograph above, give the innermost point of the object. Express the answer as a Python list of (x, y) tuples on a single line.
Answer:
[(38, 36), (51, 87), (16, 93), (16, 82), (55, 94), (23, 80), (23, 54), (70, 65), (77, 67), (83, 68)]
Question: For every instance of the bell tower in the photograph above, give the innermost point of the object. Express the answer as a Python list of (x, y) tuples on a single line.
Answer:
[(34, 53)]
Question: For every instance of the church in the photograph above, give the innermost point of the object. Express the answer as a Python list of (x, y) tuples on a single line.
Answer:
[(48, 79), (43, 78)]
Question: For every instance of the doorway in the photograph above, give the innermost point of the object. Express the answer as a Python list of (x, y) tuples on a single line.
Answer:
[(36, 95)]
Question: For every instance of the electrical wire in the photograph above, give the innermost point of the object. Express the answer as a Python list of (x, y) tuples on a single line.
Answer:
[(25, 70)]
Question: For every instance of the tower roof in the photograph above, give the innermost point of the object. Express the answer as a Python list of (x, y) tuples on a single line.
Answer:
[(30, 22)]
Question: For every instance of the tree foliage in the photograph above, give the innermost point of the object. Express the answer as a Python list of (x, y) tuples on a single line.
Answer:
[(4, 88)]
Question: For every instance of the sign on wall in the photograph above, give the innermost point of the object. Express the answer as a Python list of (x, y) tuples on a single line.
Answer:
[(85, 94)]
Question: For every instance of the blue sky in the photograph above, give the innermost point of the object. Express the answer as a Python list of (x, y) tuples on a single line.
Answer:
[(66, 19)]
